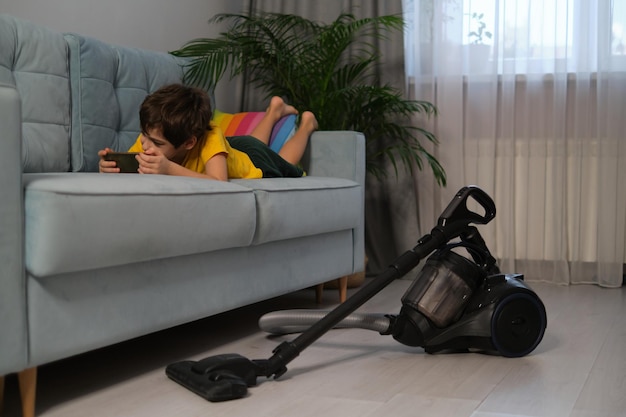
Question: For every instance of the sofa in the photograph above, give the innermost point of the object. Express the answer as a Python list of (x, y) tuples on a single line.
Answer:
[(88, 260)]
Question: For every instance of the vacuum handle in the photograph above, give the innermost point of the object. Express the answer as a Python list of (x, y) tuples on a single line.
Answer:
[(457, 215)]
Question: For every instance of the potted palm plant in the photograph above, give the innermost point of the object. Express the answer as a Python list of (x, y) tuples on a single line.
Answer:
[(329, 69)]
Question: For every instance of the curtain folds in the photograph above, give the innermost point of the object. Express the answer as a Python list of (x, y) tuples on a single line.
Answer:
[(531, 99)]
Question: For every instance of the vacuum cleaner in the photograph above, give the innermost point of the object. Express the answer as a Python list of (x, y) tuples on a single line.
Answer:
[(456, 303)]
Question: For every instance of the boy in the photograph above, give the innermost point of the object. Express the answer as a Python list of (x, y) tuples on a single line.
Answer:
[(178, 138)]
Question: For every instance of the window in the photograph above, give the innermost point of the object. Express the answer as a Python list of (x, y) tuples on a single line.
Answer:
[(618, 28), (527, 36)]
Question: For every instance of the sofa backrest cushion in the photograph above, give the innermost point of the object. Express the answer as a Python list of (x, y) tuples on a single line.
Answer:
[(108, 85), (33, 59)]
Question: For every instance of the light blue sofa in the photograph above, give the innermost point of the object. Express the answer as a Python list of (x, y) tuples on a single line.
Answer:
[(88, 259)]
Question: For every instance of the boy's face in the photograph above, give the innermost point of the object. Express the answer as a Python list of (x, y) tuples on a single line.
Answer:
[(155, 138)]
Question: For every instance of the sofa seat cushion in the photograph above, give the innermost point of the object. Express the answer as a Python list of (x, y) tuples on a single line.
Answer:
[(82, 221), (294, 207)]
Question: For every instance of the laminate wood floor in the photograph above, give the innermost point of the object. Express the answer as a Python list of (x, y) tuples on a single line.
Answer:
[(578, 370)]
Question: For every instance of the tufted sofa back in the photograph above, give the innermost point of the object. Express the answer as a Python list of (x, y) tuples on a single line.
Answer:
[(78, 94), (108, 84), (34, 61)]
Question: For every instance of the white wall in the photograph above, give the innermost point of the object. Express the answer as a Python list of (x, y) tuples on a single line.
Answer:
[(161, 25)]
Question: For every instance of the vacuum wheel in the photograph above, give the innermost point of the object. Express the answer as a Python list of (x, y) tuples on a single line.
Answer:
[(518, 324)]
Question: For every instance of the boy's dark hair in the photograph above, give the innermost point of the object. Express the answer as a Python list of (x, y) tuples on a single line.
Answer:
[(179, 111)]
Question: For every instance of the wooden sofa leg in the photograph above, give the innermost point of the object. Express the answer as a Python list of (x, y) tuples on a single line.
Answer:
[(343, 288), (319, 290), (28, 388)]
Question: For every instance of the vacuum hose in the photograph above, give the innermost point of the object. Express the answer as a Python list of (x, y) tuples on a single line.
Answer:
[(297, 321)]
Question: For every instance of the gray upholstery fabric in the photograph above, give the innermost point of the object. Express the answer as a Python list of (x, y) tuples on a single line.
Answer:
[(82, 222), (34, 60), (65, 216), (334, 154), (108, 85), (292, 207), (13, 339), (73, 313)]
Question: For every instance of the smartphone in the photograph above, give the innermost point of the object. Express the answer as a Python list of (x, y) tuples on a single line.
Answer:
[(126, 161)]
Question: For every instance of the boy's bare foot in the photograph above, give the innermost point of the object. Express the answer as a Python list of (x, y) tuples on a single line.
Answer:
[(294, 148), (308, 122), (279, 108)]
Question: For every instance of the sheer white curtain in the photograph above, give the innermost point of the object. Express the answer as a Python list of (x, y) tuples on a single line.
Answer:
[(532, 108)]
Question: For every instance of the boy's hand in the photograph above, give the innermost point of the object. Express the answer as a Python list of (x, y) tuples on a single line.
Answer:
[(152, 161), (107, 166)]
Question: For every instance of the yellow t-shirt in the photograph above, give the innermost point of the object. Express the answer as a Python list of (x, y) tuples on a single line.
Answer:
[(238, 163)]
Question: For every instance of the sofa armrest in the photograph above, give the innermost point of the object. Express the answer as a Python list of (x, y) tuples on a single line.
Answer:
[(336, 154), (13, 351), (341, 154)]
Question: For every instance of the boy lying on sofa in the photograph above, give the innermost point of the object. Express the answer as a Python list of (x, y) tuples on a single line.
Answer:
[(178, 138)]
